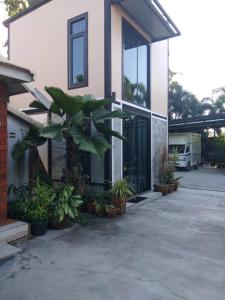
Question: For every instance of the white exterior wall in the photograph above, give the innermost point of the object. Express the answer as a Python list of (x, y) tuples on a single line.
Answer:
[(18, 171)]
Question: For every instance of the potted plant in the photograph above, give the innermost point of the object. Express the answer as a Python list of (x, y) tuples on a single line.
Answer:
[(162, 186), (37, 215), (36, 207), (120, 192), (176, 183), (112, 211), (100, 202), (169, 177), (64, 207)]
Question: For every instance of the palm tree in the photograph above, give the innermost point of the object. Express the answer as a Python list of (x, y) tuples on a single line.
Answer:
[(74, 117)]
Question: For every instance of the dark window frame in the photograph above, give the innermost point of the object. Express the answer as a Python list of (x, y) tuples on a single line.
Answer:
[(70, 38), (148, 101)]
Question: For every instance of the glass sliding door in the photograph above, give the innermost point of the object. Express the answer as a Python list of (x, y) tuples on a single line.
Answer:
[(136, 152)]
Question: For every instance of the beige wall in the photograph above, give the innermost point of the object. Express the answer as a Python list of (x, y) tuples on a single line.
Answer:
[(159, 63), (38, 41), (159, 74)]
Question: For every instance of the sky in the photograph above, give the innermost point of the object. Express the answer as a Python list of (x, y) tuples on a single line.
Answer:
[(198, 55), (3, 30)]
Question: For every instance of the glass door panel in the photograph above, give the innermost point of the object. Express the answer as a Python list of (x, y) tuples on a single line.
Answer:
[(136, 152)]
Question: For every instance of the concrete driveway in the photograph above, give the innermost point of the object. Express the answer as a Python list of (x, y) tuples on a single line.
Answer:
[(203, 178), (170, 248)]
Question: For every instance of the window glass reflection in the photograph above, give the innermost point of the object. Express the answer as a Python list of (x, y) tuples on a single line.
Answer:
[(135, 68)]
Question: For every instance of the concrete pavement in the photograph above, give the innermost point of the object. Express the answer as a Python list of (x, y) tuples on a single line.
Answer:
[(203, 178), (170, 248)]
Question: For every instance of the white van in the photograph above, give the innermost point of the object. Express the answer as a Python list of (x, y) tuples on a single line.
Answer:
[(188, 147)]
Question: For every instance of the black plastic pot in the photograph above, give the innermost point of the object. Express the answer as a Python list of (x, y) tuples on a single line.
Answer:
[(55, 224), (39, 229)]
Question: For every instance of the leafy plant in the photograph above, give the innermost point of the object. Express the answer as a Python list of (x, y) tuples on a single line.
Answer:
[(33, 207), (66, 204), (18, 193), (101, 199), (75, 116), (122, 189)]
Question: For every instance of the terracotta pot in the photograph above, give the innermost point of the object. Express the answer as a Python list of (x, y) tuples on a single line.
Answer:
[(112, 212), (162, 188), (100, 212), (175, 186), (120, 203), (55, 224), (91, 207), (170, 188)]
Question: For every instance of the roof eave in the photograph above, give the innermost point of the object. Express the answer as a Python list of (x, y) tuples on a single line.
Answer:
[(24, 12), (159, 14)]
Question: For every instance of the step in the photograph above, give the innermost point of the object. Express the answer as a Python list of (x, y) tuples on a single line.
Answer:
[(13, 231), (7, 251)]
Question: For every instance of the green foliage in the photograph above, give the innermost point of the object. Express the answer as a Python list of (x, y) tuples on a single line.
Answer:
[(213, 149), (13, 7), (183, 104), (122, 189), (76, 116), (32, 139), (34, 207), (66, 203), (18, 193)]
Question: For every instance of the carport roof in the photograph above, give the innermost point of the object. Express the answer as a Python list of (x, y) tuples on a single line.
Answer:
[(14, 76)]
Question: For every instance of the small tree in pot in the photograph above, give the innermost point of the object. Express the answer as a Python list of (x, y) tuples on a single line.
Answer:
[(120, 192)]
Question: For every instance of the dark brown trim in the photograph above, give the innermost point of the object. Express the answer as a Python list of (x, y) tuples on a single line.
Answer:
[(25, 12), (69, 57), (108, 79), (159, 116), (137, 111), (49, 151), (35, 111)]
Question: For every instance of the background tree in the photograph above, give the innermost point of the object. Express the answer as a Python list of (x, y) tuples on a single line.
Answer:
[(13, 7), (182, 104)]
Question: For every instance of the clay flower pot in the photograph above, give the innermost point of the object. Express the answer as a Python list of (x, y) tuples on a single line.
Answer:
[(175, 186), (112, 212), (120, 203), (162, 188), (91, 207), (170, 188)]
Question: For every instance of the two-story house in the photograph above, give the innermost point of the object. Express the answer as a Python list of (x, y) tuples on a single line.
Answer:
[(107, 48)]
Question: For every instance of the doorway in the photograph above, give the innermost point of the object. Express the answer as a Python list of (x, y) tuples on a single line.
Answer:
[(137, 152)]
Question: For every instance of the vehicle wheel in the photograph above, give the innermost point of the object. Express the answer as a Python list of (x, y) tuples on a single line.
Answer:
[(188, 167)]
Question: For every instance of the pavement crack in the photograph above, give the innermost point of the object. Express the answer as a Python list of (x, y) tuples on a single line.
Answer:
[(161, 282)]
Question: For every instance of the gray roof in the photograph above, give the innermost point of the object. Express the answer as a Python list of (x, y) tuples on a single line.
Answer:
[(14, 76)]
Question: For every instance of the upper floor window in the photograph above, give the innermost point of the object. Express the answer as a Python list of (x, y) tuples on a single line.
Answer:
[(78, 51), (135, 67)]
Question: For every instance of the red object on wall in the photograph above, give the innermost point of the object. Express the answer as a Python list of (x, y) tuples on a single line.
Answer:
[(3, 150)]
